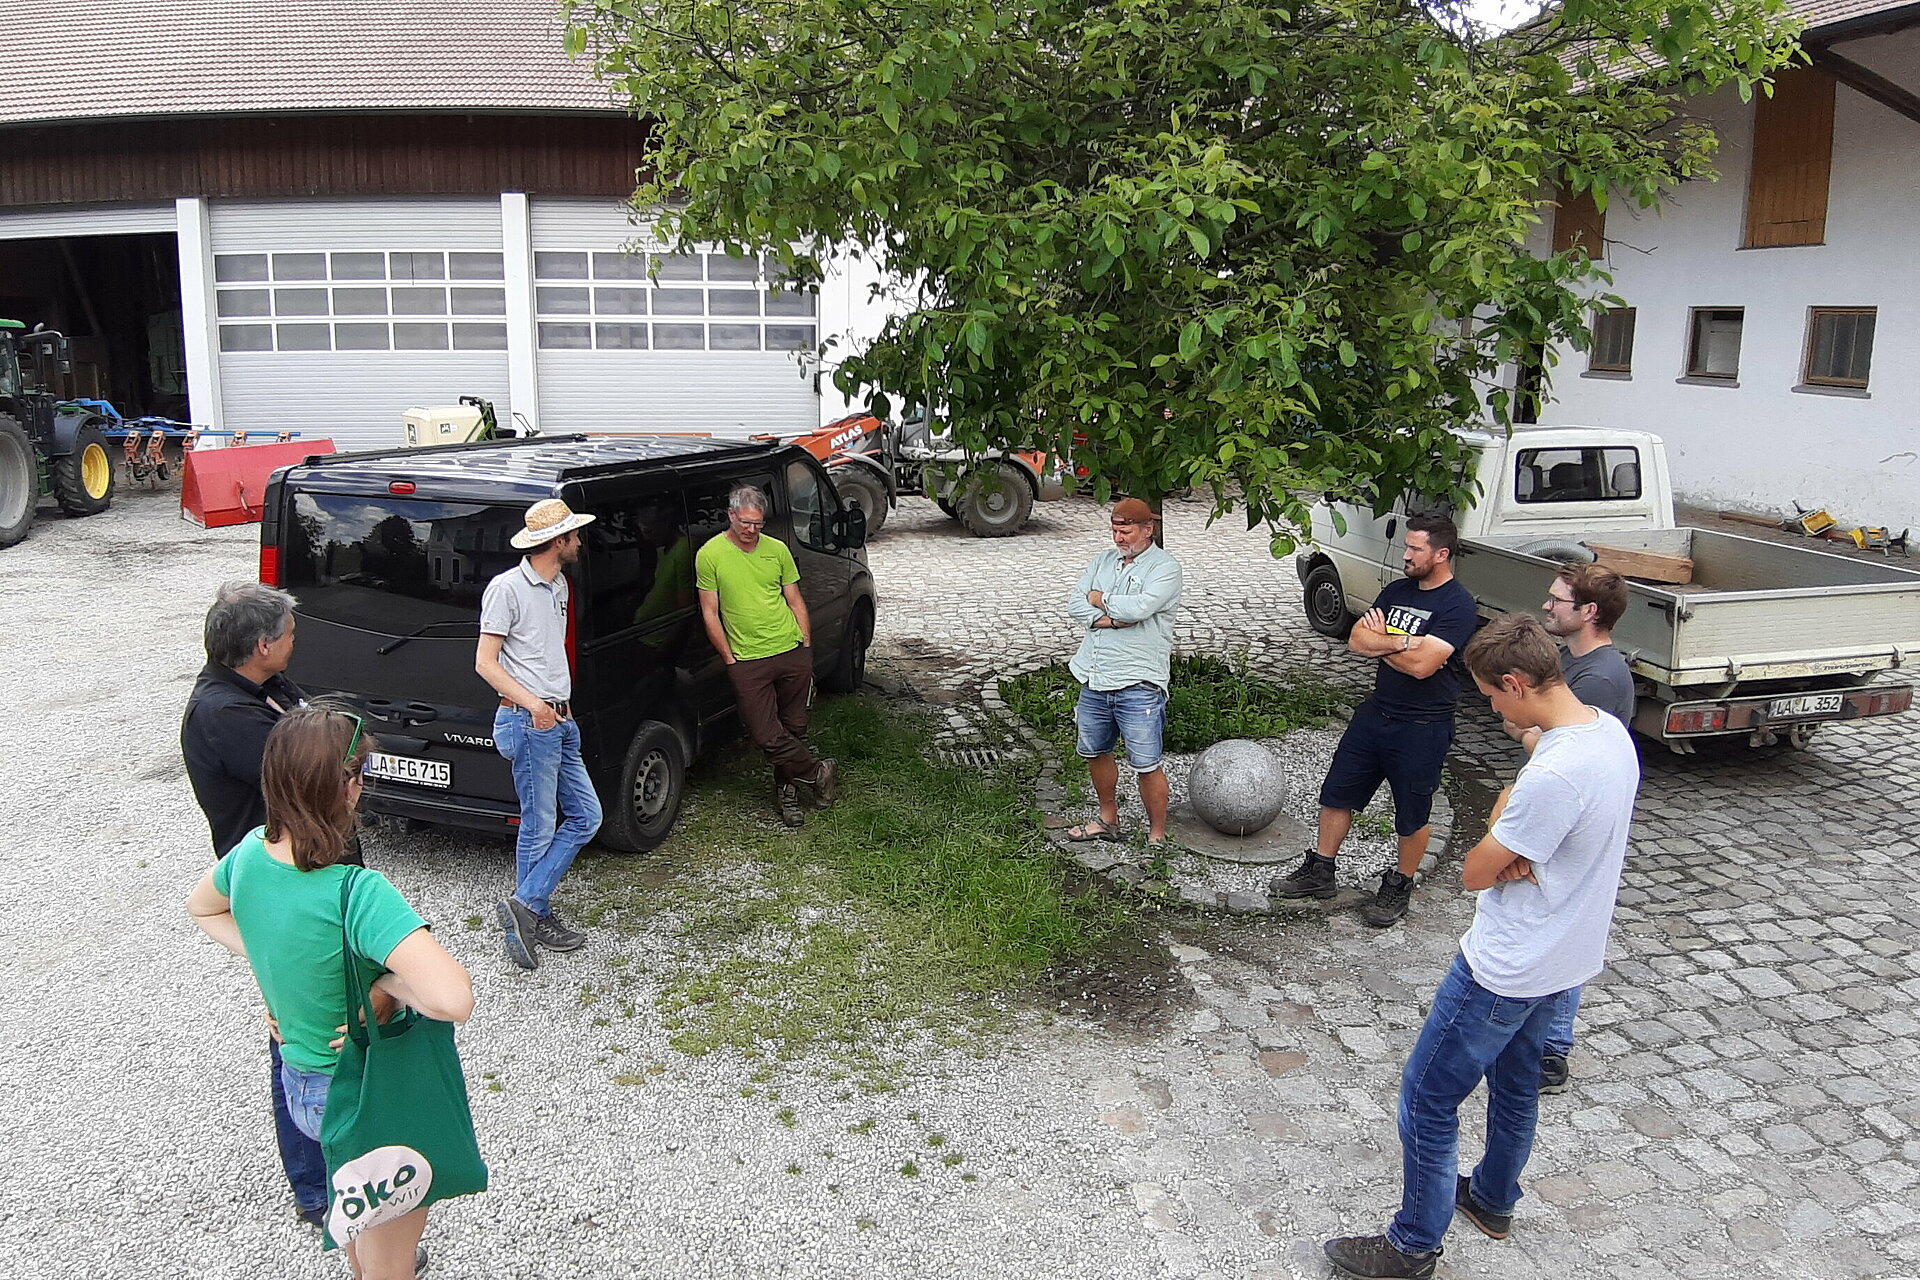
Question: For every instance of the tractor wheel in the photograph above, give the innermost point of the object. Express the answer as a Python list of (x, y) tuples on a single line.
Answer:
[(994, 501), (946, 505), (864, 491), (83, 480), (19, 481)]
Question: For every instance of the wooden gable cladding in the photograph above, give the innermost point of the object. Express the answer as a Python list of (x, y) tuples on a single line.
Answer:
[(1579, 223), (1792, 161), (319, 156)]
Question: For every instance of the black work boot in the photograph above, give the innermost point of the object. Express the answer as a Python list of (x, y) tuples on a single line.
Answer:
[(1497, 1225), (1313, 879), (786, 799), (1375, 1258), (1390, 900)]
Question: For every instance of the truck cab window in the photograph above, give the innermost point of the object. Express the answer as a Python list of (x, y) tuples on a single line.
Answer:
[(1576, 475)]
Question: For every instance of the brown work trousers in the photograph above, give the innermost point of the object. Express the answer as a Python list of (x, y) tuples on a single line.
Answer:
[(773, 694)]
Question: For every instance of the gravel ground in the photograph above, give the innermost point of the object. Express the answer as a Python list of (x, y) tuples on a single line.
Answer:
[(140, 1051)]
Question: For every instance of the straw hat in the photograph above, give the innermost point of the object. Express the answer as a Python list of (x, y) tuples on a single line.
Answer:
[(547, 520)]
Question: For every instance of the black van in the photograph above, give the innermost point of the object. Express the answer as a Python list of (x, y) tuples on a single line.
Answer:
[(389, 553)]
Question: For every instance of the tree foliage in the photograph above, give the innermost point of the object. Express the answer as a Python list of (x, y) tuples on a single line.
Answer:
[(1246, 248)]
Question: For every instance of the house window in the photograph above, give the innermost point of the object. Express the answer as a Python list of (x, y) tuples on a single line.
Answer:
[(1713, 350), (1579, 223), (1792, 161), (1839, 346), (1612, 341)]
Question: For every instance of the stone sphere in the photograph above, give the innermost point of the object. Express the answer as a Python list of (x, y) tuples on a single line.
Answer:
[(1237, 787)]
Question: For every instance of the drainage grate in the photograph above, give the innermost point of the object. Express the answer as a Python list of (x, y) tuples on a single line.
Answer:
[(971, 757)]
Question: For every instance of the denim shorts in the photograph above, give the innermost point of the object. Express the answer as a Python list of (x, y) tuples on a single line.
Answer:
[(1407, 755), (1137, 713), (306, 1097)]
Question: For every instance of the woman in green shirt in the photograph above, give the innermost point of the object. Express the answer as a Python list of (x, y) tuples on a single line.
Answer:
[(276, 901)]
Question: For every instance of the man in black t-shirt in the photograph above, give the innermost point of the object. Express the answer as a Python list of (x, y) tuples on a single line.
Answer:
[(1416, 629)]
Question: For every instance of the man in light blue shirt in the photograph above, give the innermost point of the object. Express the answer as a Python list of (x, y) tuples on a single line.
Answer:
[(1124, 604)]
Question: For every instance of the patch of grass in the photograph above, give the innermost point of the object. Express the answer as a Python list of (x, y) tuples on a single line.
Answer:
[(786, 1117), (928, 891), (909, 1170), (1211, 699), (951, 1159), (865, 1126), (473, 923)]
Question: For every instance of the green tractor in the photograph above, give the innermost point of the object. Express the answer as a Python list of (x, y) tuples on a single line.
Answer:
[(46, 446)]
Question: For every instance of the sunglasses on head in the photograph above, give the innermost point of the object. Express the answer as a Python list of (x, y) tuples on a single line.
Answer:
[(353, 744)]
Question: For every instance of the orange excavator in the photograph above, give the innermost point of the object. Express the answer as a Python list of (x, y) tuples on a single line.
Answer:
[(873, 463)]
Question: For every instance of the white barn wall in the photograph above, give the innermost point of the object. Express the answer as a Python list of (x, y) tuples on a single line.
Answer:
[(1761, 444)]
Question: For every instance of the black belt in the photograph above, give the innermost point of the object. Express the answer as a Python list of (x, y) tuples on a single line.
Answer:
[(563, 708)]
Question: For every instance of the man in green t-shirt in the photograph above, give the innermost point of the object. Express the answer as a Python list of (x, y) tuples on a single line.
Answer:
[(750, 599)]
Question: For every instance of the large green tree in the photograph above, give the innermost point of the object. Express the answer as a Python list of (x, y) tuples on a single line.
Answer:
[(1248, 248)]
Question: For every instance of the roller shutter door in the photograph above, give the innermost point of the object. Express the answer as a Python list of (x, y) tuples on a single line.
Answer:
[(336, 316), (706, 345), (47, 221)]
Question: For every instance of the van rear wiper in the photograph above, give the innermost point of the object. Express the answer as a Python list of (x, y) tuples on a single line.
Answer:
[(391, 645)]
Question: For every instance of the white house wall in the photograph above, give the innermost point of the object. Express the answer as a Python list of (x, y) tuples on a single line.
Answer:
[(1759, 443)]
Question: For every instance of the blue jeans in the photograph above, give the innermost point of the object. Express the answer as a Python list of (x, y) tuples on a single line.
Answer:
[(306, 1095), (299, 1147), (1560, 1031), (1137, 713), (1470, 1033), (551, 779)]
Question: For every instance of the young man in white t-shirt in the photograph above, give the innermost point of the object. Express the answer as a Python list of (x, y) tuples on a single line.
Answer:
[(1550, 868)]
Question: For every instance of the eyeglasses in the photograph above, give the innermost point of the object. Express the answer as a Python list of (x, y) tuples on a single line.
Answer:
[(1554, 601), (359, 727), (750, 524)]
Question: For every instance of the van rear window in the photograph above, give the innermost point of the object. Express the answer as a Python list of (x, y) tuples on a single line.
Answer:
[(393, 565), (1576, 475)]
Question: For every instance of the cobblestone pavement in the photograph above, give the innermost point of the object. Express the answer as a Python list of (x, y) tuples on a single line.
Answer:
[(1744, 1100)]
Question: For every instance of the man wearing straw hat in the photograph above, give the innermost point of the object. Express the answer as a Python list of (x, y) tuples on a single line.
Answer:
[(523, 655)]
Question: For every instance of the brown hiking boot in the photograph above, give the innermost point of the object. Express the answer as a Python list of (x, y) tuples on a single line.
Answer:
[(786, 799), (825, 785)]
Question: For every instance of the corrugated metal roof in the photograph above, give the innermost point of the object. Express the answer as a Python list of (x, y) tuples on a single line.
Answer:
[(102, 59)]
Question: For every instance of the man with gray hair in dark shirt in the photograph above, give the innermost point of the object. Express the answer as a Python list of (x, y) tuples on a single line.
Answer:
[(241, 694)]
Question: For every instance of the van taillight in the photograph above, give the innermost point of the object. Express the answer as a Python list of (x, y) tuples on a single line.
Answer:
[(573, 613), (270, 566)]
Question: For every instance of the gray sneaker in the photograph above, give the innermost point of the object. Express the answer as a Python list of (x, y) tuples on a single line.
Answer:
[(516, 924), (550, 933)]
